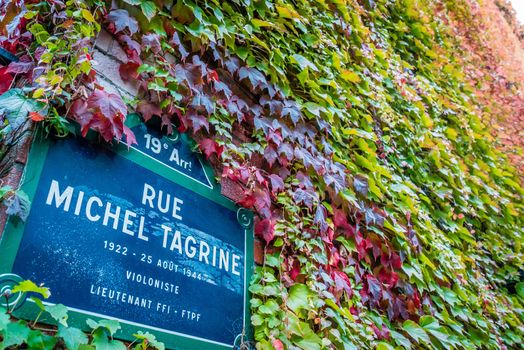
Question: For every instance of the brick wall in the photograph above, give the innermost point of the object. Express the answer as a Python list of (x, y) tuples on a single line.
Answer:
[(13, 164)]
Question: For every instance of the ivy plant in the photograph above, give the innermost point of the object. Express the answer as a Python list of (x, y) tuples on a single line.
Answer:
[(389, 219), (17, 334)]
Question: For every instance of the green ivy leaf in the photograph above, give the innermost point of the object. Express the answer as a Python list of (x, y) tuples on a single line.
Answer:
[(257, 320), (149, 340), (15, 333), (38, 340), (16, 106), (384, 346), (432, 326), (4, 318), (303, 62), (101, 342), (307, 340), (73, 337), (519, 287), (112, 326), (415, 331), (427, 320), (18, 205), (148, 9), (86, 347), (4, 190), (298, 297), (272, 261), (58, 312), (269, 308), (88, 16), (349, 76), (401, 339), (38, 303), (29, 287)]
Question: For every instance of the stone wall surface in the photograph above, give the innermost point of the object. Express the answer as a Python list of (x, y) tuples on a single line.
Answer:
[(13, 163)]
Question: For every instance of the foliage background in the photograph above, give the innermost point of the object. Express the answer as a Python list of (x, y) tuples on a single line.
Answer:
[(356, 130)]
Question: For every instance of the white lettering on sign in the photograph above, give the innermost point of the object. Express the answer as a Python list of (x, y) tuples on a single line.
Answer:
[(156, 146), (163, 205), (59, 198), (89, 204), (152, 282), (130, 223)]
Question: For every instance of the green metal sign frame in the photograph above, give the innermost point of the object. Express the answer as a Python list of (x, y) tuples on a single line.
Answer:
[(14, 230)]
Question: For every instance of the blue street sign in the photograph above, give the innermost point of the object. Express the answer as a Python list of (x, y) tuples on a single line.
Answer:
[(172, 151), (126, 234)]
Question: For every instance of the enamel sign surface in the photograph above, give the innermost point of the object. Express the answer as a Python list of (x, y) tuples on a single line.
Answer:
[(139, 234)]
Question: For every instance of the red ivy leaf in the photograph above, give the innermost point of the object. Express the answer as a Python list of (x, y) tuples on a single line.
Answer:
[(212, 75), (90, 77), (152, 41), (223, 88), (131, 44), (148, 109), (255, 77), (387, 277), (109, 105), (340, 219), (320, 218), (308, 197), (209, 147), (277, 344), (374, 287), (275, 106), (260, 178), (36, 117), (232, 64), (265, 229), (304, 180), (291, 109), (122, 20), (20, 67), (198, 121), (130, 136), (12, 15), (128, 71), (189, 74), (342, 282), (98, 123), (270, 155), (166, 123), (382, 333), (360, 183), (203, 102), (391, 259), (103, 112), (178, 44), (262, 200), (287, 150), (248, 201), (295, 270), (6, 80), (81, 114), (277, 184), (183, 123), (396, 263)]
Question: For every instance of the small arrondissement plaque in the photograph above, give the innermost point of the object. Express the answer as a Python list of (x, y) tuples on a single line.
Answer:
[(139, 234)]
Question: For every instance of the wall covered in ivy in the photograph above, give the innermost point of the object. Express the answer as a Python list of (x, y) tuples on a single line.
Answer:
[(352, 128)]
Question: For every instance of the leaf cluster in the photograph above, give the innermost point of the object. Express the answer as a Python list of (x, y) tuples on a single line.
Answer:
[(16, 334), (388, 217)]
